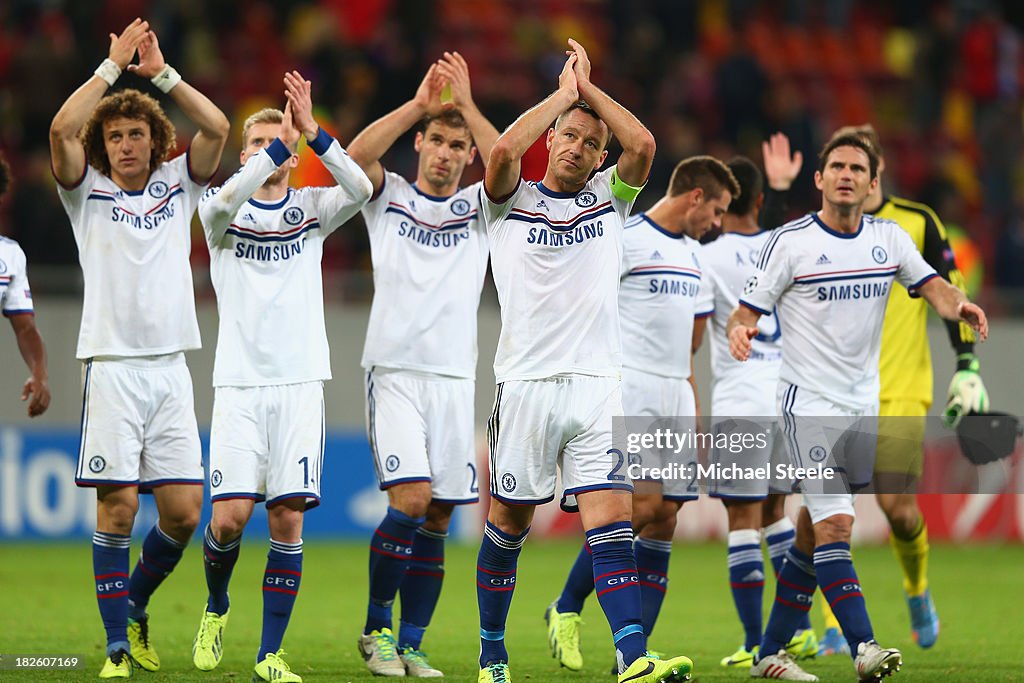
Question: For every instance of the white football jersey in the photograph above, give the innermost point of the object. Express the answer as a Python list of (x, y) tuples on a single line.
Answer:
[(15, 294), (134, 249), (658, 297), (429, 260), (265, 267), (832, 289), (556, 259), (729, 262)]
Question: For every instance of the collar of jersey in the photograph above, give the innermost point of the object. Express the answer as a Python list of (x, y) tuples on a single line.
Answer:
[(660, 229), (745, 234), (134, 193), (431, 197), (556, 195), (841, 235), (271, 207)]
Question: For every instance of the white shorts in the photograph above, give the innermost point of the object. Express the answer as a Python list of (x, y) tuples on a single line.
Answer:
[(666, 403), (562, 422), (420, 428), (138, 424), (267, 443), (747, 395), (750, 392), (820, 432)]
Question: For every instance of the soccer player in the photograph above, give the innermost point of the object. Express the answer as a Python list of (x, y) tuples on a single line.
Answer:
[(830, 274), (748, 390), (130, 207), (556, 254), (16, 303), (661, 276), (905, 368), (267, 434), (429, 253)]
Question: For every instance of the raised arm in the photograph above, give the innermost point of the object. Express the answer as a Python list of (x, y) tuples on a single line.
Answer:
[(781, 168), (340, 203), (208, 144), (505, 164), (950, 303), (37, 388), (219, 205), (376, 139), (67, 155), (638, 145), (455, 71), (740, 329)]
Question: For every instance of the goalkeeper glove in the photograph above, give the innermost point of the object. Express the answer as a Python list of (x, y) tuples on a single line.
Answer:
[(966, 391)]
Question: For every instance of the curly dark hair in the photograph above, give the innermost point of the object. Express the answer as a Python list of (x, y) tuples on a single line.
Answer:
[(5, 175), (129, 104)]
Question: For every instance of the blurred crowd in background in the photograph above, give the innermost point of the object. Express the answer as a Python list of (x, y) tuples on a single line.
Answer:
[(941, 80)]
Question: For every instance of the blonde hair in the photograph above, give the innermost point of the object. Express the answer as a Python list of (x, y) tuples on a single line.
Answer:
[(268, 115)]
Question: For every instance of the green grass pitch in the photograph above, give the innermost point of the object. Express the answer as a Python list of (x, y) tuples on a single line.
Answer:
[(48, 607)]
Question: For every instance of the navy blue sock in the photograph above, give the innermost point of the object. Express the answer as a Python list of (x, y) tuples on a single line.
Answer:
[(746, 579), (281, 581), (579, 584), (159, 556), (794, 594), (841, 587), (495, 583), (390, 550), (110, 569), (421, 586), (652, 567), (618, 589), (218, 562), (778, 536)]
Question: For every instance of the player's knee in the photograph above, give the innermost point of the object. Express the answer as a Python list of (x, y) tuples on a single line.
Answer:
[(226, 527), (411, 499), (180, 523), (834, 529), (661, 529), (903, 518), (439, 517), (117, 516)]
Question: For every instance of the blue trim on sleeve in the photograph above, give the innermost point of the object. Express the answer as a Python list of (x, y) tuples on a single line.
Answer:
[(754, 308), (912, 289), (278, 151), (321, 142)]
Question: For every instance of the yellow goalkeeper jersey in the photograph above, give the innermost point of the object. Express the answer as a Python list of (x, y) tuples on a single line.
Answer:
[(906, 364)]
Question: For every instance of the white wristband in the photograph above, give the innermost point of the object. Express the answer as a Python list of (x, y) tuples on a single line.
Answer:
[(166, 79), (108, 71)]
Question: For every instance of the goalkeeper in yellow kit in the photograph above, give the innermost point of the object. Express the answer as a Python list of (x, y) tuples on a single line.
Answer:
[(906, 393)]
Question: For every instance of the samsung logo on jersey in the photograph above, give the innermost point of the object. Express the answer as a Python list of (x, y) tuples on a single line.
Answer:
[(266, 252), (867, 290), (674, 287), (551, 238), (143, 222), (429, 238)]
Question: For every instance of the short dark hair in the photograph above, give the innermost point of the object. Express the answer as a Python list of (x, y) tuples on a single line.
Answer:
[(751, 182), (587, 109), (705, 172), (865, 132), (5, 175), (452, 118), (848, 141), (129, 104)]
